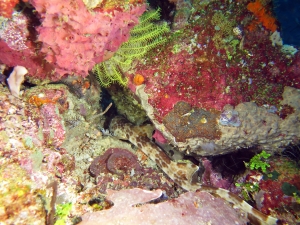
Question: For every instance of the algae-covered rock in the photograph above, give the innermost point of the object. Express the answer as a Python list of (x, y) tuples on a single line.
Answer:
[(128, 106), (19, 199)]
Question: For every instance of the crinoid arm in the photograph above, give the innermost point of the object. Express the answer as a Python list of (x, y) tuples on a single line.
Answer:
[(144, 37)]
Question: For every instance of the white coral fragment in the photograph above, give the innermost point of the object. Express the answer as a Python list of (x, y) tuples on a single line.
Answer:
[(15, 80)]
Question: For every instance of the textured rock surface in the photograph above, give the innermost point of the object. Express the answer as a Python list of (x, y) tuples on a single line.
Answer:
[(20, 202), (32, 130), (259, 127), (187, 209)]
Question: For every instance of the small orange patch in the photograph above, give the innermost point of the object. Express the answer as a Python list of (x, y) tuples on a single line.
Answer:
[(196, 204), (35, 100), (138, 79), (86, 84)]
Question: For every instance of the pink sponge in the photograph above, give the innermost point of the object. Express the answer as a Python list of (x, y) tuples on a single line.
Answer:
[(75, 39)]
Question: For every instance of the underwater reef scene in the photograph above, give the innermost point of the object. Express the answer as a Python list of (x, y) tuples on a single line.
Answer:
[(149, 112)]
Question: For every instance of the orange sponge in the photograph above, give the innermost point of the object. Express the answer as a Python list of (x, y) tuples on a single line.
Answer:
[(267, 20), (138, 79)]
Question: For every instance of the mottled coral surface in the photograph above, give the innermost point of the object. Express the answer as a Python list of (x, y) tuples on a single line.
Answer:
[(185, 122), (19, 201), (19, 47)]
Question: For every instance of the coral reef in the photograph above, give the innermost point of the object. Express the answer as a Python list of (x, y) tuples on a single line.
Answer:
[(14, 32), (224, 28), (180, 172), (19, 47), (31, 134), (47, 110), (35, 65), (212, 178), (230, 118), (119, 169), (259, 127), (277, 183), (68, 162), (212, 88), (23, 151), (19, 199), (128, 105)]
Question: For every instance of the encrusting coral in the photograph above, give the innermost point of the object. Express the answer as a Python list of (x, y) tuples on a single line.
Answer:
[(14, 31), (185, 122)]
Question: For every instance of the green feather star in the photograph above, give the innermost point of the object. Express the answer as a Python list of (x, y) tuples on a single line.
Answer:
[(143, 37)]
